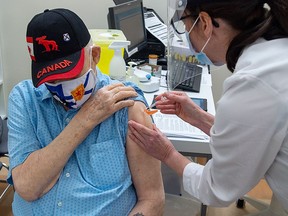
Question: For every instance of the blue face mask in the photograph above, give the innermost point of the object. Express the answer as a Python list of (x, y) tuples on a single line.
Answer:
[(200, 56)]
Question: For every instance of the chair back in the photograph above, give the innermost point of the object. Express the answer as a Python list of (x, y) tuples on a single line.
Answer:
[(1, 128), (3, 153), (3, 137)]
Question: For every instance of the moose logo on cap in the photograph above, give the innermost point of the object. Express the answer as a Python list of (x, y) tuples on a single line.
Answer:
[(49, 45)]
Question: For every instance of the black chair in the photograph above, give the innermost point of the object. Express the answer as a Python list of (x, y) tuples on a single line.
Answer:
[(3, 152)]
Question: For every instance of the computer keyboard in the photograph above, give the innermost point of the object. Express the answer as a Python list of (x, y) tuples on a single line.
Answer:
[(186, 76)]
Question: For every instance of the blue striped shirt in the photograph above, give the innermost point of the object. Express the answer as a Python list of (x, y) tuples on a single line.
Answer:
[(96, 180)]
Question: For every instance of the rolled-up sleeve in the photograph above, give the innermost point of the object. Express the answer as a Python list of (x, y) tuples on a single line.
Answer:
[(22, 139)]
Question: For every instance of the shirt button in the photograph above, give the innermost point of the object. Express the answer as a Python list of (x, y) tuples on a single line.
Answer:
[(67, 120), (67, 175), (59, 204)]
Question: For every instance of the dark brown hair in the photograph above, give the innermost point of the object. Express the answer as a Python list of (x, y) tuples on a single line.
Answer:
[(250, 18)]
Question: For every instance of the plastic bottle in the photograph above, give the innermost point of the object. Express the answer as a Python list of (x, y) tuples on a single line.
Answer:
[(117, 68), (153, 59), (130, 73)]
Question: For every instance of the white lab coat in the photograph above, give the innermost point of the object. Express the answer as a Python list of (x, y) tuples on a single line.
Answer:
[(249, 139)]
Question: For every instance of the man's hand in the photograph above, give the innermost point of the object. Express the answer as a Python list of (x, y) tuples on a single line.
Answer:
[(105, 103)]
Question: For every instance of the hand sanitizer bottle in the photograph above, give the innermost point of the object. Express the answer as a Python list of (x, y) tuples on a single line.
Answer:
[(117, 67), (130, 76)]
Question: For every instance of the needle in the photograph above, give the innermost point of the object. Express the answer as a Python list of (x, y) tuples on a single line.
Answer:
[(151, 111), (152, 105)]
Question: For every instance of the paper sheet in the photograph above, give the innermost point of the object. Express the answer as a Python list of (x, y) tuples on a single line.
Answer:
[(173, 126), (154, 25)]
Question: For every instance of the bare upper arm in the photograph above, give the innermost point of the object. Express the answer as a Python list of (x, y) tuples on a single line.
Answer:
[(145, 170)]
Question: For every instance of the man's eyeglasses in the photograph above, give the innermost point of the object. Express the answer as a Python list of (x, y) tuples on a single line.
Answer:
[(179, 26)]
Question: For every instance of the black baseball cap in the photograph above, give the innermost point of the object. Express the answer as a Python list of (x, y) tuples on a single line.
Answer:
[(56, 39)]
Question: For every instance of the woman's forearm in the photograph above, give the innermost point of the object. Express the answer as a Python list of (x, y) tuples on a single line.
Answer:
[(205, 122), (177, 162)]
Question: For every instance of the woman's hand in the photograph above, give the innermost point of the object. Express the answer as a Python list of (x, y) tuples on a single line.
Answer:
[(180, 104), (105, 103), (153, 141)]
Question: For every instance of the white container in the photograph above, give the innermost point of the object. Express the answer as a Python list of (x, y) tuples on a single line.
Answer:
[(153, 59), (117, 68), (104, 38), (130, 76)]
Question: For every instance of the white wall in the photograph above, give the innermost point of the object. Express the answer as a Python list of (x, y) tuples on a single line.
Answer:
[(15, 15), (219, 74)]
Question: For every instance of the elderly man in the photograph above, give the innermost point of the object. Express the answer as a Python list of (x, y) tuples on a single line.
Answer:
[(69, 149)]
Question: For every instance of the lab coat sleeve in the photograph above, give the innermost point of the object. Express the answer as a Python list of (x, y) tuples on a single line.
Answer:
[(248, 131)]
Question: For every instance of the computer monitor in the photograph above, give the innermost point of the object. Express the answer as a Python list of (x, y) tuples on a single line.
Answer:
[(129, 18)]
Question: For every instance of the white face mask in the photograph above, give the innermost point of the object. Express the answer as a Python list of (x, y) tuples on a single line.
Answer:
[(74, 93)]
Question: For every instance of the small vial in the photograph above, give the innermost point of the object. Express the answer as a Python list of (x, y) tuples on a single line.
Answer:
[(153, 59)]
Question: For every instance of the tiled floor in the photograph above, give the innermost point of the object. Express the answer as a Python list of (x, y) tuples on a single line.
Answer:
[(5, 202), (261, 191)]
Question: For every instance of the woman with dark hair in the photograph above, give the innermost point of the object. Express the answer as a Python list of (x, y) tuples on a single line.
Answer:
[(249, 133)]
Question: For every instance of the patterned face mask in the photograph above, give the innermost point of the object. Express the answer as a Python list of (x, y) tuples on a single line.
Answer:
[(74, 93)]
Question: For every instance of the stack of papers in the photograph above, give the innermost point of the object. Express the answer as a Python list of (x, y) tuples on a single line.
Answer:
[(173, 126), (154, 25)]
